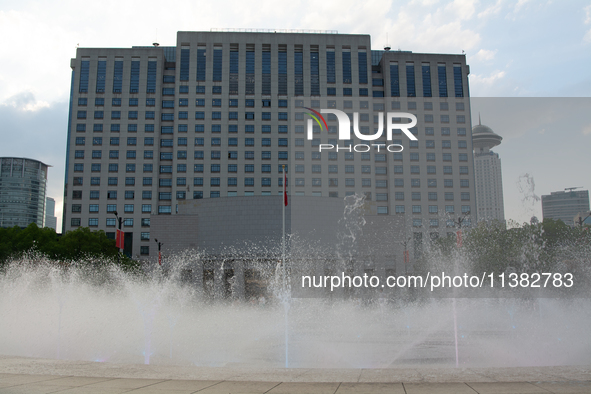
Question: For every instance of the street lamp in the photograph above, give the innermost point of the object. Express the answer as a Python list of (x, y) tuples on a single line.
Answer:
[(159, 251), (459, 222), (580, 220)]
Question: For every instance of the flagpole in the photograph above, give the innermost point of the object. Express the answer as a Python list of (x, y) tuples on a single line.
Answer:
[(285, 299), (283, 237)]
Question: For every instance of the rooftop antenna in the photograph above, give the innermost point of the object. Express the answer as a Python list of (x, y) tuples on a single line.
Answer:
[(573, 188), (387, 47), (155, 43), (479, 122)]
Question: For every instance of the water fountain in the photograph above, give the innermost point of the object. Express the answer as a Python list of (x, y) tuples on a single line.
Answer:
[(105, 314)]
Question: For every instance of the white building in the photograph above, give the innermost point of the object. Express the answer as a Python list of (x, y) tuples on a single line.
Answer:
[(487, 168)]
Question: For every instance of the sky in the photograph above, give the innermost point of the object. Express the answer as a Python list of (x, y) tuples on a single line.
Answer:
[(519, 52)]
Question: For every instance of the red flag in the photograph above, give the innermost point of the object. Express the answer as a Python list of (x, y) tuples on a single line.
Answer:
[(284, 187), (459, 238), (159, 258), (119, 239)]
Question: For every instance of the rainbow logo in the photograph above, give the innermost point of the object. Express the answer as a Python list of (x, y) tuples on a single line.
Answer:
[(315, 115)]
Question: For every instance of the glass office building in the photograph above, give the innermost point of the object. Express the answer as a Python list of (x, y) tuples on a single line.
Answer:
[(23, 184)]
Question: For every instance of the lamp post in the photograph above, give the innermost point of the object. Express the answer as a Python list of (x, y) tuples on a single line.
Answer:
[(580, 219), (406, 254), (119, 242), (459, 222), (159, 251)]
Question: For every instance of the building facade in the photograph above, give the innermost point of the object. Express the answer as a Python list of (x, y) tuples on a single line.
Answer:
[(220, 114), (565, 205), (23, 184), (50, 219), (489, 178)]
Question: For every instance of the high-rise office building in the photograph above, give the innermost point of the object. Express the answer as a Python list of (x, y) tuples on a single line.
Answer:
[(217, 116), (489, 179), (23, 184), (50, 219), (565, 205)]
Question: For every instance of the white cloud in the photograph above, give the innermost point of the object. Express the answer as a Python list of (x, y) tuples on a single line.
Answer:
[(25, 101), (476, 79), (519, 5), (463, 9), (494, 9), (485, 54), (587, 14)]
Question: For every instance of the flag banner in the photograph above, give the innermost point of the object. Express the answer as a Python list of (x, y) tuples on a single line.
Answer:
[(284, 187), (120, 240)]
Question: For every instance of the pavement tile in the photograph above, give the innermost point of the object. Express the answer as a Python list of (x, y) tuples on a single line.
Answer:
[(371, 388), (74, 381), (390, 375), (190, 385), (33, 388), (239, 388), (507, 388), (17, 379), (124, 383), (304, 388), (438, 388), (566, 387)]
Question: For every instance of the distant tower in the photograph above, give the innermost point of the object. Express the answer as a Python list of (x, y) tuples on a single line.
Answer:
[(489, 183)]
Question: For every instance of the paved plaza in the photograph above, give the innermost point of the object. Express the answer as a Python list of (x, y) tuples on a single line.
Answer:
[(32, 375)]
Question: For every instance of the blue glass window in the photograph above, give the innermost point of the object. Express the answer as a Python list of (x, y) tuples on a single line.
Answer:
[(266, 71), (185, 56), (330, 66), (458, 86), (314, 74), (282, 73), (441, 76), (426, 71), (410, 80), (201, 64), (394, 80), (101, 73), (362, 61), (134, 81), (250, 63), (298, 62), (151, 82), (346, 66), (118, 76), (84, 73), (217, 64)]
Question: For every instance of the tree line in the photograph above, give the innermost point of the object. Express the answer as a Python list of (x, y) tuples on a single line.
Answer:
[(80, 246)]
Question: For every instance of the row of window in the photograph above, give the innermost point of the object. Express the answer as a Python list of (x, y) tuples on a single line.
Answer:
[(216, 181), (249, 129), (266, 103), (112, 222), (411, 91)]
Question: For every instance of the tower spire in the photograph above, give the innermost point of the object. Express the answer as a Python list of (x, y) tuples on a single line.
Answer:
[(479, 123)]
